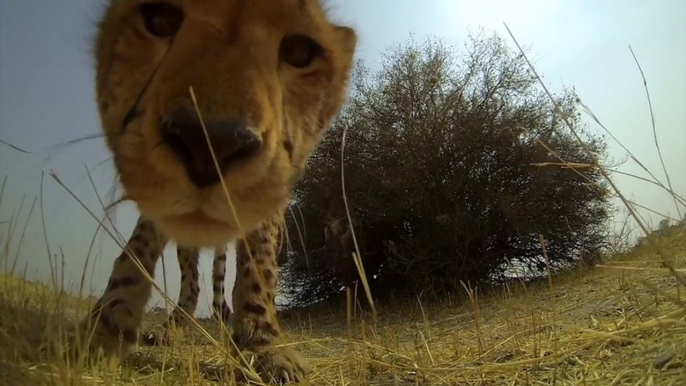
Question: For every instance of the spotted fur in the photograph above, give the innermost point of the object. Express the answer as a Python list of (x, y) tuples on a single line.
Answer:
[(188, 294)]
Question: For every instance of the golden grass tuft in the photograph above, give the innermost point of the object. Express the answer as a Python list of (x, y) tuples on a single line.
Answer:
[(621, 323)]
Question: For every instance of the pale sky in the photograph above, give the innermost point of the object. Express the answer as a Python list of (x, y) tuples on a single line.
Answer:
[(47, 99)]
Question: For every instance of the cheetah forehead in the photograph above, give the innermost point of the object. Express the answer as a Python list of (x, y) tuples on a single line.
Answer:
[(128, 58)]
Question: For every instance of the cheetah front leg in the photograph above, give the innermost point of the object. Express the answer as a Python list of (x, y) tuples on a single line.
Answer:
[(256, 329), (222, 311), (188, 295), (113, 322), (188, 298)]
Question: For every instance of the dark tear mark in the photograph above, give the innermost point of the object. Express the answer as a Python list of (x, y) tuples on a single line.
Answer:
[(134, 112)]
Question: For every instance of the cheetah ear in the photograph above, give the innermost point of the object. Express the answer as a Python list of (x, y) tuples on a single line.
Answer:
[(347, 38)]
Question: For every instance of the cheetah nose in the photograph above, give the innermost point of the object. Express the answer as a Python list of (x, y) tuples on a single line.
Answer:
[(231, 141)]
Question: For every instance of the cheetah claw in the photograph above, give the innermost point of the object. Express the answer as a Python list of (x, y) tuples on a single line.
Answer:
[(278, 364)]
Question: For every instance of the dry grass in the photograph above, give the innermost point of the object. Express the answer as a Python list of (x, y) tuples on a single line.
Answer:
[(621, 323)]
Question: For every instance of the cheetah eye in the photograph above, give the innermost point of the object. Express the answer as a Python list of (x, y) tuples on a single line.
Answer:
[(299, 51), (161, 19)]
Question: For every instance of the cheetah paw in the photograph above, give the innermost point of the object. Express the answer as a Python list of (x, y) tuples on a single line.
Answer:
[(158, 336), (278, 364)]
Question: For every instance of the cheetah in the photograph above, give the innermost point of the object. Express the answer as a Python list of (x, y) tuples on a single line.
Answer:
[(338, 238), (338, 235), (188, 294), (259, 81)]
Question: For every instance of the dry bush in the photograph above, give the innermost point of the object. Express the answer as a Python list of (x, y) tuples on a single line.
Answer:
[(452, 170)]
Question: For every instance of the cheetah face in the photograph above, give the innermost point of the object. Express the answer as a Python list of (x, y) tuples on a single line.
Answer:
[(267, 76)]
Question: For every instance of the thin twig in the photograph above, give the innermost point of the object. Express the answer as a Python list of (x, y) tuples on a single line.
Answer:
[(661, 253), (652, 121), (15, 147), (357, 257)]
